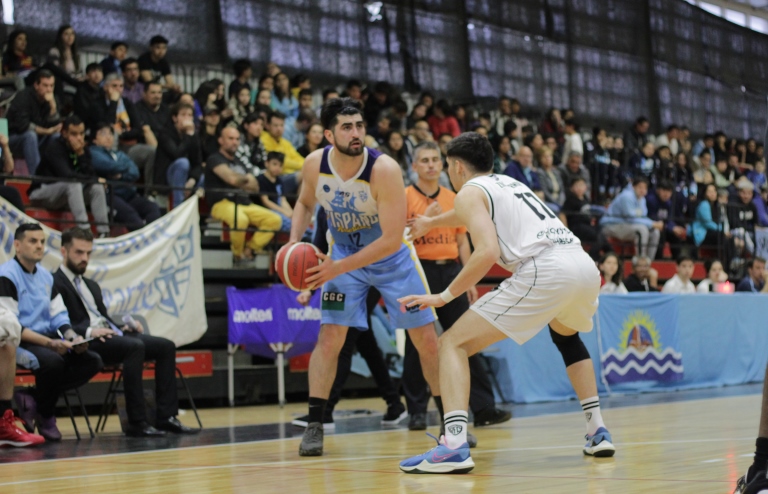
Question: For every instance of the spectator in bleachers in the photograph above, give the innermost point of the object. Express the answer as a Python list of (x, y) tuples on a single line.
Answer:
[(273, 69), (267, 82), (550, 180), (627, 219), (378, 103), (220, 102), (751, 154), (264, 98), (395, 149), (681, 282), (742, 218), (418, 114), (209, 132), (670, 139), (511, 131), (205, 98), (428, 100), (178, 162), (28, 292), (683, 177), (295, 129), (618, 152), (721, 146), (442, 120), (552, 126), (328, 94), (708, 226), (353, 89), (243, 73), (154, 66), (521, 169), (300, 82), (90, 94), (398, 114), (761, 205), (235, 208), (715, 274), (240, 106), (757, 176), (419, 133), (706, 143), (602, 168), (282, 99), (666, 206), (577, 211), (250, 154), (755, 279), (641, 280), (273, 140), (112, 62), (573, 141), (16, 62), (10, 194), (33, 119), (612, 273), (130, 208), (151, 110), (503, 156), (636, 137), (68, 157), (271, 189), (313, 139), (64, 52), (133, 88), (645, 164), (118, 343), (666, 170), (573, 169)]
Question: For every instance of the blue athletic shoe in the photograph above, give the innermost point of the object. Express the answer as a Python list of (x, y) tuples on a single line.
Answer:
[(599, 444), (440, 459)]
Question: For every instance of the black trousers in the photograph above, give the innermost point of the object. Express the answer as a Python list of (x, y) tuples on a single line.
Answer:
[(137, 212), (365, 341), (132, 350), (12, 195), (58, 373), (439, 276)]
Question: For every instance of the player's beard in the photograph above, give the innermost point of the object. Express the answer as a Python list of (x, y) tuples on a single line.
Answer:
[(349, 151)]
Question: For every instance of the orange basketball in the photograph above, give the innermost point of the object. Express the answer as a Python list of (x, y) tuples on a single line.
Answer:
[(292, 262)]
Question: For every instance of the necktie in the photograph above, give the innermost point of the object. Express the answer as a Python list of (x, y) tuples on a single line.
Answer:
[(94, 310)]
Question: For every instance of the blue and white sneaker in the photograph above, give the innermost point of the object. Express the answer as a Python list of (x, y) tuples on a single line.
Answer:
[(599, 444), (440, 459)]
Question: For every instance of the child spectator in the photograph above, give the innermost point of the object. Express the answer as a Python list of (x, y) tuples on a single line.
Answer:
[(111, 63), (243, 73), (611, 271), (715, 275), (154, 66), (271, 189), (681, 282)]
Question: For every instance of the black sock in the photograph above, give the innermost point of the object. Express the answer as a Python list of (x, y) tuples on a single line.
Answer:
[(761, 457), (439, 403), (5, 405), (316, 409)]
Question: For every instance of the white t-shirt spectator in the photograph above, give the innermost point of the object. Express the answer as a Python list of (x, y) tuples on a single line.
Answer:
[(704, 286), (676, 285)]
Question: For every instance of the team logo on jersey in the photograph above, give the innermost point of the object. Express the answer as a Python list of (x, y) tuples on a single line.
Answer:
[(363, 195), (333, 301)]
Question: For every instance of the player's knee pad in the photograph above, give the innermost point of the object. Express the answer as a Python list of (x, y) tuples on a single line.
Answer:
[(571, 347)]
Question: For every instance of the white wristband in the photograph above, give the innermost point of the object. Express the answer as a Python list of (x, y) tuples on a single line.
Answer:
[(447, 296)]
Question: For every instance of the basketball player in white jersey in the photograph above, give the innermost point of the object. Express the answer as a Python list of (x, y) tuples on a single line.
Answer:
[(363, 195), (555, 283)]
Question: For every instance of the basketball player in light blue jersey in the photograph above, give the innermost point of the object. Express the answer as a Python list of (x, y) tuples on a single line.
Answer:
[(363, 195)]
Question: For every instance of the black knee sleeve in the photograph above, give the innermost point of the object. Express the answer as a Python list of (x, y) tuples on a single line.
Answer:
[(571, 347)]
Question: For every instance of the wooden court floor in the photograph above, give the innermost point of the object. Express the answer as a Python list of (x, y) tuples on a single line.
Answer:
[(699, 446)]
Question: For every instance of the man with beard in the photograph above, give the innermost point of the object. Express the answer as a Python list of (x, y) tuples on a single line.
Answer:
[(363, 195), (118, 343)]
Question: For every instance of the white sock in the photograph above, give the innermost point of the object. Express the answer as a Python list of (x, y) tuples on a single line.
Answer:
[(455, 428), (591, 407)]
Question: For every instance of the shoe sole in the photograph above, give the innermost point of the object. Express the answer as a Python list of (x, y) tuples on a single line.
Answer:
[(303, 423), (487, 423), (16, 444), (601, 451), (426, 467), (311, 452), (395, 421)]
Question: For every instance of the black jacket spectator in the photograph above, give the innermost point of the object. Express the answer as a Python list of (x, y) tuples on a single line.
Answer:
[(58, 161), (86, 101), (27, 111), (633, 284), (171, 145)]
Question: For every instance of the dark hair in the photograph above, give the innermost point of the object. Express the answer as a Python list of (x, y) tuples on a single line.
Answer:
[(126, 62), (665, 184), (751, 262), (641, 120), (305, 92), (26, 227), (328, 91), (151, 83), (306, 116), (572, 123), (329, 115), (528, 140), (299, 79), (263, 78), (275, 114), (117, 44), (672, 127), (473, 149), (709, 263), (275, 155), (499, 140), (42, 74), (704, 151), (240, 66), (206, 89), (353, 82), (93, 66), (12, 40), (682, 258), (73, 50), (619, 275), (252, 117), (75, 233), (509, 126), (70, 121), (176, 109), (158, 40), (99, 126), (444, 107), (639, 180), (279, 94)]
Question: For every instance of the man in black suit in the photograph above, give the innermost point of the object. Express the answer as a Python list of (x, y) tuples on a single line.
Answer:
[(118, 343)]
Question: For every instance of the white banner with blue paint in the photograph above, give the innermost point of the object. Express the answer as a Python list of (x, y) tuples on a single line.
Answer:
[(155, 272), (639, 337)]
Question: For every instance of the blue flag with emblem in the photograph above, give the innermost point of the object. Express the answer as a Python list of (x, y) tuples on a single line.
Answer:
[(639, 337)]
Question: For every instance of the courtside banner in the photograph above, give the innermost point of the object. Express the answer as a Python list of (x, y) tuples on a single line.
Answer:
[(639, 336), (260, 318), (155, 272)]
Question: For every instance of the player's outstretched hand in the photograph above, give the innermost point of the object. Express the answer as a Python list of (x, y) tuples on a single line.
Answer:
[(419, 226), (423, 301), (327, 270)]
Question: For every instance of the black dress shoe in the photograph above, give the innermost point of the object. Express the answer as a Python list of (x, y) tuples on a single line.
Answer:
[(491, 416), (172, 424), (143, 429)]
